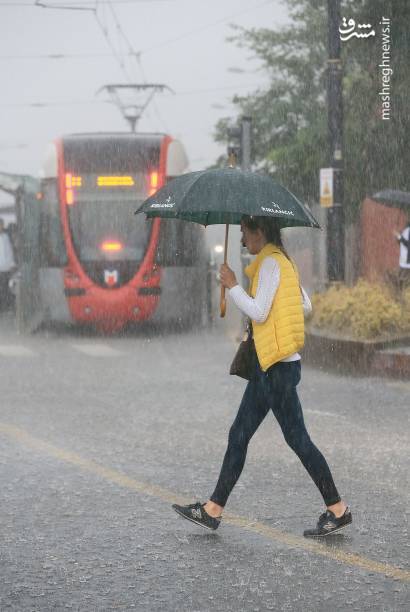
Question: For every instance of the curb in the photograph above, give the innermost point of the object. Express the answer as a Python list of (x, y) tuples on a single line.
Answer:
[(392, 362), (361, 358)]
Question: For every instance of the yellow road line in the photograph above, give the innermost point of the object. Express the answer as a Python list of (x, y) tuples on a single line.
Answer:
[(271, 533)]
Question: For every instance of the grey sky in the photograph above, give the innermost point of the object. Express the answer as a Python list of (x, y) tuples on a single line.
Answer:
[(184, 45)]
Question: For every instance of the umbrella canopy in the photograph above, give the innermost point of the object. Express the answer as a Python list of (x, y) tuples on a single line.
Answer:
[(392, 197), (224, 195)]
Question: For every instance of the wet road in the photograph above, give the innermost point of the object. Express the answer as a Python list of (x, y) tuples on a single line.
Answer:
[(98, 436)]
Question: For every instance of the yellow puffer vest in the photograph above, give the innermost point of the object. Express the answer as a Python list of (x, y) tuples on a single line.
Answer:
[(282, 333)]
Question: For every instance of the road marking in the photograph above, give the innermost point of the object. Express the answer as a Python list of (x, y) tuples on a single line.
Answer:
[(97, 350), (323, 413), (15, 350), (276, 535)]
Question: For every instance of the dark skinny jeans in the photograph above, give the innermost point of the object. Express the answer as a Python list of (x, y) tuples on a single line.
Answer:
[(273, 390)]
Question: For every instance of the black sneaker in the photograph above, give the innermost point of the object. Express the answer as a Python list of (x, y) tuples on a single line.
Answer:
[(197, 514), (328, 523)]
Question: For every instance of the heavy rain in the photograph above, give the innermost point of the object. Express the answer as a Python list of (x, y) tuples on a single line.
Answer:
[(204, 218)]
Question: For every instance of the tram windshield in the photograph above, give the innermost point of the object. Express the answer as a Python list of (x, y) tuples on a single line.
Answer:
[(109, 229), (105, 181), (103, 226)]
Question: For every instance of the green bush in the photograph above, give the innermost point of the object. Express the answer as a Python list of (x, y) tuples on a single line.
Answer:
[(366, 311)]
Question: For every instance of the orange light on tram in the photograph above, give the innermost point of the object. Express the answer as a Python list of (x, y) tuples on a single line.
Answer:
[(69, 196), (115, 181), (70, 182), (153, 183), (154, 179), (111, 247)]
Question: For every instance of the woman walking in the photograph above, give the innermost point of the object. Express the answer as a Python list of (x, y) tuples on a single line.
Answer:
[(276, 308)]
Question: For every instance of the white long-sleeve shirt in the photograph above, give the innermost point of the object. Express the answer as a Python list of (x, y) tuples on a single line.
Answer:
[(404, 248), (258, 308)]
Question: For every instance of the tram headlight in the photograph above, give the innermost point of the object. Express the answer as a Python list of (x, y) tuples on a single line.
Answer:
[(111, 246)]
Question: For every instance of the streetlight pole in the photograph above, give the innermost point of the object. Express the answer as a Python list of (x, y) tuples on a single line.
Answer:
[(335, 216)]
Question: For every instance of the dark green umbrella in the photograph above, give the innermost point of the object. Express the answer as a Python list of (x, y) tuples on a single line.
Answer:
[(393, 197), (224, 195)]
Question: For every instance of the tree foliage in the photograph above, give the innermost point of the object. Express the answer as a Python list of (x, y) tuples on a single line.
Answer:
[(290, 133)]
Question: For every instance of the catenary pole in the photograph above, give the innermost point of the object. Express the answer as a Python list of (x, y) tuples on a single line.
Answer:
[(335, 216)]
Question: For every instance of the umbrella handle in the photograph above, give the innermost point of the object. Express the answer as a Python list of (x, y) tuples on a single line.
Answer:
[(222, 304), (223, 300)]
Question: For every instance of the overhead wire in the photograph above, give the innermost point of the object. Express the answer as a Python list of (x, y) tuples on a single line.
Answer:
[(202, 28), (106, 35), (92, 101), (148, 49), (48, 104), (119, 55), (55, 56), (67, 7), (72, 5), (131, 52), (120, 29), (121, 39), (154, 103)]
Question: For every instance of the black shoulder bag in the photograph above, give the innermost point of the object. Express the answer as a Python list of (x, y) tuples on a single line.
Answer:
[(244, 360)]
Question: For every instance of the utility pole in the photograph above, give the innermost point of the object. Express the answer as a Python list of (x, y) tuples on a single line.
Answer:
[(246, 143), (246, 147), (239, 144), (335, 215), (246, 125)]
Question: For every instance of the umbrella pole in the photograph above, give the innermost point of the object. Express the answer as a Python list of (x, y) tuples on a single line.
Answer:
[(223, 300)]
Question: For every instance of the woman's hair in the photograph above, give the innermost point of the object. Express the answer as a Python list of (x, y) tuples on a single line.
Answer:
[(270, 229)]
